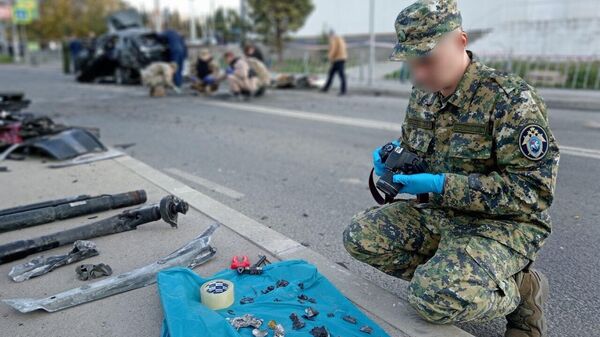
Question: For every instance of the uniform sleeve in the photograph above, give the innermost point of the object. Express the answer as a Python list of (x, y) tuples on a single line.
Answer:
[(525, 177)]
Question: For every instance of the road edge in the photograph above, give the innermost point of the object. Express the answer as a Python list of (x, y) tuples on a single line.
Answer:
[(391, 309)]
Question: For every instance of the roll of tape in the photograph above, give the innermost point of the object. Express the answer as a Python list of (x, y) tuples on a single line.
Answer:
[(217, 294)]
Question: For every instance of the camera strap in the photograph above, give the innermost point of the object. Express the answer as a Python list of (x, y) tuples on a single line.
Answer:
[(382, 200), (385, 199)]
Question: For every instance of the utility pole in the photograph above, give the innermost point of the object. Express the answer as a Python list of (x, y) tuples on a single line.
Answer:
[(157, 16), (193, 33), (371, 41), (15, 43), (243, 14)]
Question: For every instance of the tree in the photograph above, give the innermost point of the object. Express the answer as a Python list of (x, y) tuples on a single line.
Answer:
[(275, 19), (60, 18)]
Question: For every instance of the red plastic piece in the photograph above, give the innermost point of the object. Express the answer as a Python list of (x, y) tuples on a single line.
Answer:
[(240, 265)]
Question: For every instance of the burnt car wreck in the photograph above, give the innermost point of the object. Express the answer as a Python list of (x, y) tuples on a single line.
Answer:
[(122, 52)]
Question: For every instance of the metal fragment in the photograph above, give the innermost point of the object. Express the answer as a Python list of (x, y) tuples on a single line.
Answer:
[(349, 319), (366, 329), (194, 253), (260, 333), (297, 323), (92, 271), (278, 330), (310, 313), (319, 332), (248, 320), (42, 265)]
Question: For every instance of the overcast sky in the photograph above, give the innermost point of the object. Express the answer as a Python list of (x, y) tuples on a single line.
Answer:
[(351, 16)]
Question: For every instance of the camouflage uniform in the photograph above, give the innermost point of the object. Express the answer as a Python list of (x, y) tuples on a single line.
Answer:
[(492, 141)]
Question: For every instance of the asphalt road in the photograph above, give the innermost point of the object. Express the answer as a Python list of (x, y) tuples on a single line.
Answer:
[(298, 162)]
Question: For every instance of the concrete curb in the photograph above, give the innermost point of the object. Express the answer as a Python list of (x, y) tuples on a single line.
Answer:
[(368, 296), (572, 103)]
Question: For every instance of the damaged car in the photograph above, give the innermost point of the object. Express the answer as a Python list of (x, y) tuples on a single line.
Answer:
[(121, 53)]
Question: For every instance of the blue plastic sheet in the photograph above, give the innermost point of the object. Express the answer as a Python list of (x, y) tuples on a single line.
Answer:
[(184, 315)]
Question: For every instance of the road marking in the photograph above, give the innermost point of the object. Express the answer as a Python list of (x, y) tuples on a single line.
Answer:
[(319, 117), (206, 183), (580, 152), (363, 123)]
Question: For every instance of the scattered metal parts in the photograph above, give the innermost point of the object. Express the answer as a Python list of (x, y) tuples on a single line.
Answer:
[(260, 333), (49, 211), (194, 253), (278, 330), (276, 300), (67, 144), (330, 314), (246, 300), (301, 285), (303, 298), (319, 332), (268, 290), (88, 158), (8, 151), (248, 320), (42, 265), (297, 323), (92, 271), (366, 329), (231, 312), (282, 283), (167, 209), (310, 313), (349, 319)]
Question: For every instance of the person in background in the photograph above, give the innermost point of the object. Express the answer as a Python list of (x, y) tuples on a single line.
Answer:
[(177, 54), (158, 76), (337, 56), (75, 47), (251, 50), (238, 76), (207, 73)]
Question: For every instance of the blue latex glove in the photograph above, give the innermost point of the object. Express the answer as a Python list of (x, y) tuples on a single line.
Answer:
[(421, 183), (229, 70), (377, 164), (209, 79)]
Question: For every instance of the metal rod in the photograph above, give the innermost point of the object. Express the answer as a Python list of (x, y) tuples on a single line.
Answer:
[(49, 211), (167, 209)]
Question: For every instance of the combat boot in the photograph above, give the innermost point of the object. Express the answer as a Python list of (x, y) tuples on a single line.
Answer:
[(528, 319)]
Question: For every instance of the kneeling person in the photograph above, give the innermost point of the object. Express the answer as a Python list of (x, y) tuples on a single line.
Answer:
[(491, 165)]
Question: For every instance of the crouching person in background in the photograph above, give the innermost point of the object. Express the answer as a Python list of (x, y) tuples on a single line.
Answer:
[(158, 76), (207, 73)]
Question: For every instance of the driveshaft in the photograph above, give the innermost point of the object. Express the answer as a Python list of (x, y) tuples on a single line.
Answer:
[(167, 210), (48, 211)]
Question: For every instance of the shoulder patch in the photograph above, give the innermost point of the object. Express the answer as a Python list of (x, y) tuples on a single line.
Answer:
[(533, 142)]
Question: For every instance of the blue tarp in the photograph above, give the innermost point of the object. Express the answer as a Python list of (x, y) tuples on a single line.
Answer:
[(186, 316)]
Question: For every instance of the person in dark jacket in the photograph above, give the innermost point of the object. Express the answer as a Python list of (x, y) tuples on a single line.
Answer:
[(251, 50), (207, 73), (177, 53)]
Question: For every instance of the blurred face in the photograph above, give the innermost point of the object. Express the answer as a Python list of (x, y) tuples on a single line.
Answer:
[(443, 66), (228, 58)]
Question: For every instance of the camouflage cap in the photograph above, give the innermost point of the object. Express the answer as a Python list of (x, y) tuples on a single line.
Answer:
[(421, 25)]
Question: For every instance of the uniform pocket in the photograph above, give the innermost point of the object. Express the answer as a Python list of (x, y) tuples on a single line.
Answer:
[(470, 145), (498, 261), (417, 138)]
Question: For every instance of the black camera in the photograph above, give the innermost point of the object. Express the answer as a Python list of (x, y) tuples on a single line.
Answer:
[(397, 159)]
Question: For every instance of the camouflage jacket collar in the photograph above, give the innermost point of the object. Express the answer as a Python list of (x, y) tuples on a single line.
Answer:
[(463, 95)]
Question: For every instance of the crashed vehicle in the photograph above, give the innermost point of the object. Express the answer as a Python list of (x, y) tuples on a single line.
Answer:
[(121, 53)]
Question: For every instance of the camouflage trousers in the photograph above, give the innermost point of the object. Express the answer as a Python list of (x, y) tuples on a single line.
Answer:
[(455, 275)]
